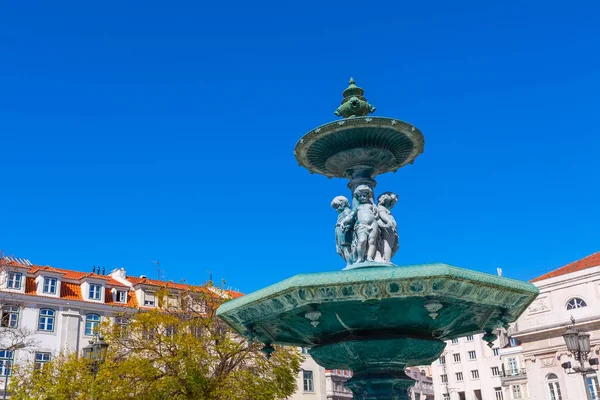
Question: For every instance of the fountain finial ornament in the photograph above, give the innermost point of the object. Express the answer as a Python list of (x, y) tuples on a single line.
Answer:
[(354, 104)]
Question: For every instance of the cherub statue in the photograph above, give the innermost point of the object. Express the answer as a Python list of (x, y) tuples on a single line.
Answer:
[(366, 228), (343, 228), (388, 227)]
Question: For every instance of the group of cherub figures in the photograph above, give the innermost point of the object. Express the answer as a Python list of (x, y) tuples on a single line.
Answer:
[(366, 232)]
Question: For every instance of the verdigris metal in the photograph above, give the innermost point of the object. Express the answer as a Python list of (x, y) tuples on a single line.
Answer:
[(354, 104), (373, 317), (352, 318)]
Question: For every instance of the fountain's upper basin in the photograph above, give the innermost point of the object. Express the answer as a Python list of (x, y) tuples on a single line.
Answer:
[(436, 301)]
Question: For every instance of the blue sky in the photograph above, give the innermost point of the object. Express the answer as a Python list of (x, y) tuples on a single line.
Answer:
[(150, 130)]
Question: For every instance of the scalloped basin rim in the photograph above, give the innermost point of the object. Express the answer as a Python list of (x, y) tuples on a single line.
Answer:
[(375, 273)]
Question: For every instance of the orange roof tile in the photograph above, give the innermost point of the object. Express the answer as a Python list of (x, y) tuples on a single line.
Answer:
[(154, 282), (69, 274), (590, 261), (70, 291)]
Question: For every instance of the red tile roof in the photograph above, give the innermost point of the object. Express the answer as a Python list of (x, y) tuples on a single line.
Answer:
[(590, 261)]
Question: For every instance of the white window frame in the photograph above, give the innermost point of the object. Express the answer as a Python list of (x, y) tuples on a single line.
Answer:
[(553, 387), (10, 313), (46, 320), (121, 296), (92, 324), (454, 341), (495, 371), (6, 362), (95, 292), (456, 357), (575, 303), (517, 392), (308, 382), (49, 285), (147, 302), (459, 376), (442, 360), (472, 355), (446, 396), (15, 280), (41, 358), (469, 338), (474, 374), (444, 378), (593, 387), (496, 351)]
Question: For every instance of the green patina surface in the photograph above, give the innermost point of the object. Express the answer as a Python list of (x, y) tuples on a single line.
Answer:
[(376, 320), (394, 299)]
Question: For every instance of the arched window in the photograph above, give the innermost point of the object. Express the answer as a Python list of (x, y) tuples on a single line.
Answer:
[(46, 320), (553, 387), (575, 302), (92, 322)]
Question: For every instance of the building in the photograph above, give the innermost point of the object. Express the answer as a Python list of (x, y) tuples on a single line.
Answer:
[(315, 382), (533, 366), (423, 387), (468, 370), (60, 310)]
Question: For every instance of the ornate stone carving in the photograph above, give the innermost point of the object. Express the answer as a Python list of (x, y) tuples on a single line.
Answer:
[(389, 234), (548, 362), (433, 306), (539, 305)]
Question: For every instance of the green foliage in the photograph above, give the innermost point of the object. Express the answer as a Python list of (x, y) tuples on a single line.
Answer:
[(171, 353)]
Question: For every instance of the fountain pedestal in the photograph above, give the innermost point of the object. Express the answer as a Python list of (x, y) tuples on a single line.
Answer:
[(374, 318)]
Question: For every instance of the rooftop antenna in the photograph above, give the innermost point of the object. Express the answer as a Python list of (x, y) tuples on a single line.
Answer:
[(94, 269), (210, 277), (158, 270)]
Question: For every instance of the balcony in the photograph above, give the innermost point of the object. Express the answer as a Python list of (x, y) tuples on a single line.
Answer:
[(513, 375)]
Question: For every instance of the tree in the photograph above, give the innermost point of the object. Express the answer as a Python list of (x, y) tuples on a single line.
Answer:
[(180, 351)]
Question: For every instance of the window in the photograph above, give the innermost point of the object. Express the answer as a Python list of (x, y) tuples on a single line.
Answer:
[(14, 280), (456, 357), (40, 359), (446, 396), (121, 325), (459, 377), (512, 366), (553, 387), (496, 351), (95, 291), (92, 323), (307, 378), (444, 378), (575, 302), (514, 342), (46, 320), (498, 393), (10, 316), (495, 371), (442, 360), (149, 299), (148, 333), (593, 387), (472, 355), (516, 391), (470, 338), (477, 394), (50, 285), (475, 374), (121, 296), (461, 396), (170, 331), (454, 341), (6, 361), (303, 350)]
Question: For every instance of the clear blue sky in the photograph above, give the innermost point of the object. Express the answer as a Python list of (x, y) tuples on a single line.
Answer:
[(152, 130)]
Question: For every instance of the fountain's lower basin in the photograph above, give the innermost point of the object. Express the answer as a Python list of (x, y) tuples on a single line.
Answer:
[(378, 320)]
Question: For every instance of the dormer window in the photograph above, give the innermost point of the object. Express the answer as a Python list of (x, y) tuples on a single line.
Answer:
[(95, 291), (121, 296), (50, 285), (15, 280), (149, 299)]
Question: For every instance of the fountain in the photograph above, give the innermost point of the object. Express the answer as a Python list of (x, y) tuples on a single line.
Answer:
[(373, 317)]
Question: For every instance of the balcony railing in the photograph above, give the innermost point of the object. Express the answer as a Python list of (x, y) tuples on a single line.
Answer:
[(513, 374)]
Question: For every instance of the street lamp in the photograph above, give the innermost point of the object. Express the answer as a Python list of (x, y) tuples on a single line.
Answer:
[(95, 353), (578, 344)]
